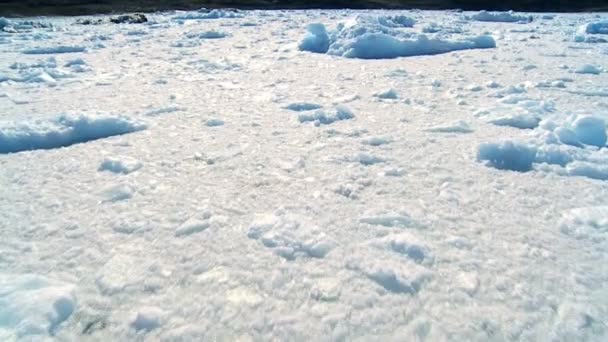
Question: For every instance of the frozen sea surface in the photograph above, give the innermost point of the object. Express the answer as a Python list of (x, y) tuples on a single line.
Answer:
[(292, 176)]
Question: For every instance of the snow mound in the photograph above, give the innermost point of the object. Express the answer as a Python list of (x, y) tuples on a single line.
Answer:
[(453, 127), (405, 244), (124, 165), (288, 237), (326, 117), (368, 39), (517, 111), (376, 141), (388, 219), (521, 121), (393, 274), (62, 131), (208, 35), (588, 69), (148, 318), (303, 106), (34, 305), (54, 50), (504, 17), (586, 223), (388, 94), (572, 148)]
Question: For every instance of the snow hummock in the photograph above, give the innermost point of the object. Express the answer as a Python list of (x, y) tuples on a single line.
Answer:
[(366, 39), (458, 126), (388, 94), (288, 237), (576, 147), (326, 117), (505, 17), (124, 165), (54, 50), (588, 69), (303, 106), (32, 304), (63, 130)]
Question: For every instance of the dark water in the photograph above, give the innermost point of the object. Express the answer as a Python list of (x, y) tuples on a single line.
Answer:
[(80, 7)]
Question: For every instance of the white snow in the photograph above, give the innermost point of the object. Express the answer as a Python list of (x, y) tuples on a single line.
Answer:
[(241, 189)]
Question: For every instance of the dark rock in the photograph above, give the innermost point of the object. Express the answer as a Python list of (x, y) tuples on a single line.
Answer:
[(89, 21), (136, 18)]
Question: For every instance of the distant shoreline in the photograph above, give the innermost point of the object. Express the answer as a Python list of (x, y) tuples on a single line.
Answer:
[(19, 8)]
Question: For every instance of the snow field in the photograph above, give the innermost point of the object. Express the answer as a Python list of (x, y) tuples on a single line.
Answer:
[(247, 188)]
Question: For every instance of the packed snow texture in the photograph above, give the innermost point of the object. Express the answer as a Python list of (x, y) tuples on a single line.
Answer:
[(225, 183)]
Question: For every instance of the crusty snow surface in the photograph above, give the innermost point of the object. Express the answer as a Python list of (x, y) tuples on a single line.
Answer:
[(249, 176)]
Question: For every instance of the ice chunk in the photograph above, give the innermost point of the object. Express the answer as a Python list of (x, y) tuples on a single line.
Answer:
[(209, 35), (204, 14), (317, 39), (147, 318), (507, 155), (214, 122), (588, 69), (376, 141), (589, 170), (458, 126), (118, 192), (303, 106), (521, 121), (389, 219), (599, 27), (192, 226), (323, 117), (590, 130), (64, 130), (4, 23), (34, 305), (124, 165), (387, 94), (54, 50), (384, 46), (378, 39), (567, 136), (505, 17)]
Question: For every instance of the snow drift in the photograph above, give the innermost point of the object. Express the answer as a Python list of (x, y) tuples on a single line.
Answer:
[(62, 131)]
